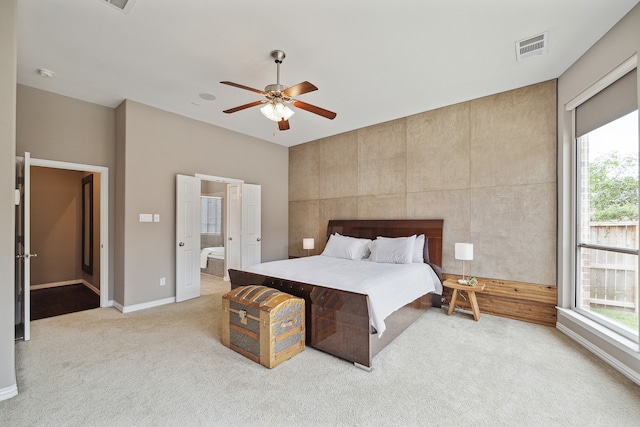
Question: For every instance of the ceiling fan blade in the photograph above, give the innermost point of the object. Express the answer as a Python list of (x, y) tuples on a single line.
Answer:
[(283, 124), (243, 107), (313, 109), (299, 89), (261, 92)]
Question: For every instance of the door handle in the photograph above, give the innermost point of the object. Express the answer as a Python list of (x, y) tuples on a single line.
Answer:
[(27, 256), (258, 239), (230, 238), (181, 244)]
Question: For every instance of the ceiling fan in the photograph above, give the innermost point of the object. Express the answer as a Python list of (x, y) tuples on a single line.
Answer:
[(279, 98)]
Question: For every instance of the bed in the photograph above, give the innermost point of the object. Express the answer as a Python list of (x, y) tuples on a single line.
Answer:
[(339, 321)]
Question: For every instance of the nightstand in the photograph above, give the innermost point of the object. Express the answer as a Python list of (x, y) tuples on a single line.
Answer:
[(471, 292)]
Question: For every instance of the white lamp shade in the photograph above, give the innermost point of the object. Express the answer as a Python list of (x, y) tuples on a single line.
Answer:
[(464, 251), (276, 111), (307, 243)]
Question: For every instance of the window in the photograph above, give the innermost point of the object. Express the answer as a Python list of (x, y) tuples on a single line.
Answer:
[(210, 215), (607, 208)]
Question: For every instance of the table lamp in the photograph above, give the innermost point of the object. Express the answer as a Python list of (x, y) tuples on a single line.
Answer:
[(464, 252), (308, 244)]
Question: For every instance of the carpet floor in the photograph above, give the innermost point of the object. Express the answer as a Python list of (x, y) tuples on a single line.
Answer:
[(60, 300), (166, 366)]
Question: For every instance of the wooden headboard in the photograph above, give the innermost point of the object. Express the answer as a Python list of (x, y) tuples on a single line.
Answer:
[(372, 228)]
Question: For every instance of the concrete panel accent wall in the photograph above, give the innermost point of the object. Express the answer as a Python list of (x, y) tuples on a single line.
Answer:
[(55, 127), (487, 167), (8, 67), (157, 146), (56, 225)]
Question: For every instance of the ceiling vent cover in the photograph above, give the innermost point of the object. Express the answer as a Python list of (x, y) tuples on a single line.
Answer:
[(536, 45), (123, 5)]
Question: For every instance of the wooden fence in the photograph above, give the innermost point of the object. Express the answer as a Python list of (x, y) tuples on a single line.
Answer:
[(612, 277)]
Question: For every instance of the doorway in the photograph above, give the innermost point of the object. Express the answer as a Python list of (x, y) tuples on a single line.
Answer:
[(213, 200), (242, 244), (99, 263), (243, 222), (231, 222), (65, 227)]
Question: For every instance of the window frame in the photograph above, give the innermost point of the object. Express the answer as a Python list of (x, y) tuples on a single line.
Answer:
[(202, 220), (577, 245)]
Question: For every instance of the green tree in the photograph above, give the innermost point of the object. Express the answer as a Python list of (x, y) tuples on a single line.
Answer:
[(614, 188)]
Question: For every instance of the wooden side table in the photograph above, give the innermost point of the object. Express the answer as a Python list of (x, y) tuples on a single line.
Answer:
[(470, 290)]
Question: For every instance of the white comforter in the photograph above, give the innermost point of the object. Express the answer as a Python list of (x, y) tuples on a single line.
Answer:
[(388, 286)]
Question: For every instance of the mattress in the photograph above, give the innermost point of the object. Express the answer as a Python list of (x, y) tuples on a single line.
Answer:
[(388, 286)]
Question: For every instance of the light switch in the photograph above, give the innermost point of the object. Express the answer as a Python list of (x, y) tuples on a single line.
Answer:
[(146, 218), (156, 217)]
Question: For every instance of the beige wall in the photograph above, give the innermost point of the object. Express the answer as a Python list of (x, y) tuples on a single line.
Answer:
[(487, 167), (56, 219), (615, 47), (55, 127), (8, 66), (56, 226), (150, 147), (155, 146)]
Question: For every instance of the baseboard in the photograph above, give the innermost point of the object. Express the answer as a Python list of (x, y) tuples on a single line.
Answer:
[(65, 283), (90, 286), (144, 305), (55, 284), (618, 365), (8, 392)]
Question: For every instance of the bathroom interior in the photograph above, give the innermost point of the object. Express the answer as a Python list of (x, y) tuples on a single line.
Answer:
[(212, 209)]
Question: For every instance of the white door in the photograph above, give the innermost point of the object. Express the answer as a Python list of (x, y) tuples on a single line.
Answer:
[(187, 237), (23, 249), (234, 227), (251, 225)]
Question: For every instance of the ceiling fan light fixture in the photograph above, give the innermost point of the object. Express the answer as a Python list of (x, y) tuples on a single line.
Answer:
[(276, 111)]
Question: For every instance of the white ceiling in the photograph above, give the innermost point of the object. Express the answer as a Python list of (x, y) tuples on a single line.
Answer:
[(372, 60)]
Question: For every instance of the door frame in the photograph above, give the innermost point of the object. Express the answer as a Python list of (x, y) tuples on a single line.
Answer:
[(104, 217), (227, 181)]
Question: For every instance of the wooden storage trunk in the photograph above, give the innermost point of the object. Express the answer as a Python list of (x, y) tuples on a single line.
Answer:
[(263, 324)]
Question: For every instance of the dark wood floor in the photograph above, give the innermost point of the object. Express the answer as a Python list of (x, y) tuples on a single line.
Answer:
[(62, 300)]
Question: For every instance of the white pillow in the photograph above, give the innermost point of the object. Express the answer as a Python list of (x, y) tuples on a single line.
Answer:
[(346, 247), (418, 249), (396, 250)]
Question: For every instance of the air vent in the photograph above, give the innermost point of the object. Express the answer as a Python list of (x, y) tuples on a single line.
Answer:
[(536, 45), (123, 5)]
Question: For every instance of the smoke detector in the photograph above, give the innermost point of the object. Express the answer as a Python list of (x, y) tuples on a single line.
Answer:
[(531, 46), (123, 5)]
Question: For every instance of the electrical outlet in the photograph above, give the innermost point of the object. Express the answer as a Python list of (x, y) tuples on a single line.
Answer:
[(162, 281), (156, 217)]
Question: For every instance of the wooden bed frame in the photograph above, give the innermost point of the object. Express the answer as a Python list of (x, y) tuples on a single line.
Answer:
[(337, 322)]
